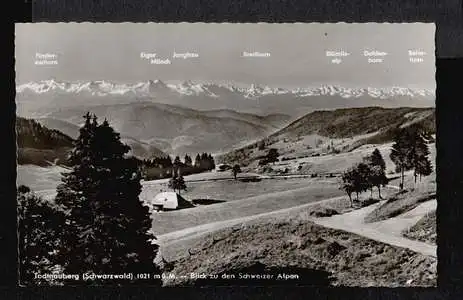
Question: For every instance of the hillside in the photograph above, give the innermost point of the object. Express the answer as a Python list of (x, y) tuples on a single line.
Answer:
[(177, 130), (42, 142), (317, 255), (350, 122), (65, 127), (334, 131), (138, 149), (31, 134), (40, 145), (275, 120), (424, 230)]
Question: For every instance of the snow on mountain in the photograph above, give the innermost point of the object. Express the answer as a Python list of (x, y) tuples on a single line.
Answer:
[(148, 87), (188, 88)]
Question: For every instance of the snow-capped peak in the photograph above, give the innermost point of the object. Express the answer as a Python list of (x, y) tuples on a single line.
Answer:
[(155, 87)]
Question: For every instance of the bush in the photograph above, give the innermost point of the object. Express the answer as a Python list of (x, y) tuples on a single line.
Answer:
[(324, 212)]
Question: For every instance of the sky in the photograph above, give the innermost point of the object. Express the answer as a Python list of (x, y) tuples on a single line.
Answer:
[(111, 51)]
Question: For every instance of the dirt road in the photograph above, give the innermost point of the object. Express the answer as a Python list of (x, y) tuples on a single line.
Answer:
[(387, 231)]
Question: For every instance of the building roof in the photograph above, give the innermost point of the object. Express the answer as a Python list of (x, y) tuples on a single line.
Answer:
[(170, 200)]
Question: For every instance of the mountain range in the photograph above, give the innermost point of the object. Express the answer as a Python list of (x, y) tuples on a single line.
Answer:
[(46, 139), (38, 97), (153, 87), (161, 128), (178, 118)]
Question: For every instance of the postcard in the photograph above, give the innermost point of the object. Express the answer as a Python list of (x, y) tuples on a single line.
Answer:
[(221, 154)]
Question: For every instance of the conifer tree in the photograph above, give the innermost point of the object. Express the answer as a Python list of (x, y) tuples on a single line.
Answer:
[(401, 153), (421, 164), (177, 183), (188, 160), (410, 151), (212, 162), (197, 161), (106, 227), (424, 168)]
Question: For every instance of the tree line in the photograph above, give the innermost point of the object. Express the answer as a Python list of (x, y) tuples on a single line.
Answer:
[(409, 151), (165, 167)]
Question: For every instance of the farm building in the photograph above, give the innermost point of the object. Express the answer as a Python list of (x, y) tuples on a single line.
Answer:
[(169, 201)]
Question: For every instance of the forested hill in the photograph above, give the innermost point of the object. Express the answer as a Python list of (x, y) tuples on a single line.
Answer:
[(346, 129), (349, 122), (31, 134), (39, 145)]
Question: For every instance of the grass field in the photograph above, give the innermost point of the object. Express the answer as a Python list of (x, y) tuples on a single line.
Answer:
[(228, 189), (254, 203), (39, 178)]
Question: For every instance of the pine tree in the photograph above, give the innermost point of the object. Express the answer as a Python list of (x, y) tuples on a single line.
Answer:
[(424, 168), (180, 183), (197, 161), (177, 183), (176, 165), (410, 151), (212, 162), (188, 160), (421, 164), (168, 162), (106, 228), (376, 159), (401, 152)]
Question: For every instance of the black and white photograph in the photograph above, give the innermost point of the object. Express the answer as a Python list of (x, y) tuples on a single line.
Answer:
[(220, 154)]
